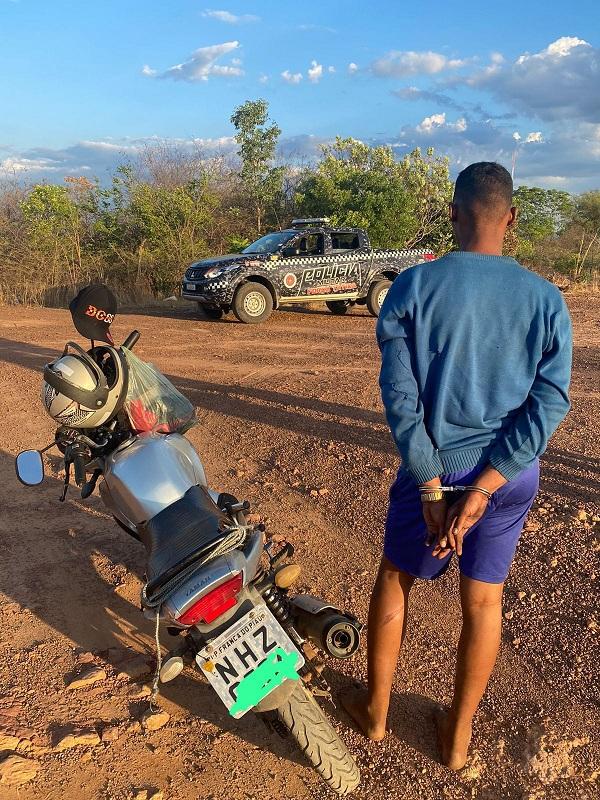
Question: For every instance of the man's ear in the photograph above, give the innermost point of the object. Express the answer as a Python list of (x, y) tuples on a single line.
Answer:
[(513, 217), (452, 212)]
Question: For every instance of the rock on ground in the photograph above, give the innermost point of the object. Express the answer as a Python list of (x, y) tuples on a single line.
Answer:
[(79, 738), (8, 742), (153, 720), (87, 677), (16, 770)]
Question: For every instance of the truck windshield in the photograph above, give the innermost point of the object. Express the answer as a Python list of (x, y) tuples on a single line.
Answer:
[(270, 243)]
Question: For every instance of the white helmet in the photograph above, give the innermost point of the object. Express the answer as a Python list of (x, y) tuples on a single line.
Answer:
[(85, 390)]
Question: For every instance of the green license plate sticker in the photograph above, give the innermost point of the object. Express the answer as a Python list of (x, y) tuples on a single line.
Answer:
[(273, 671)]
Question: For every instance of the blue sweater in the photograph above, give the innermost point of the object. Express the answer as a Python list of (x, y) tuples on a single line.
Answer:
[(476, 363)]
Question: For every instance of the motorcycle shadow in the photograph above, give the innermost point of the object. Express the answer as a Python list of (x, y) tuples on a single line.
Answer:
[(69, 567), (196, 696)]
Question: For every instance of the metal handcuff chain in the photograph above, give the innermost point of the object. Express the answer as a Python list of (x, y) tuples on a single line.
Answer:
[(450, 489)]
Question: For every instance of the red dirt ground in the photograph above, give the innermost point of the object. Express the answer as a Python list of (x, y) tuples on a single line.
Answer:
[(285, 408)]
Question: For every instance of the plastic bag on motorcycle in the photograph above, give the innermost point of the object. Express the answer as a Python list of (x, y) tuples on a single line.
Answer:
[(152, 402)]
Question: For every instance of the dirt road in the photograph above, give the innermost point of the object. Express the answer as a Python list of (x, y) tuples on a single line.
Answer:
[(287, 409)]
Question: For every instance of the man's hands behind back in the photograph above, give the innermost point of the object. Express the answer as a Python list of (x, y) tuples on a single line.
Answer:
[(466, 513), (460, 518), (435, 514)]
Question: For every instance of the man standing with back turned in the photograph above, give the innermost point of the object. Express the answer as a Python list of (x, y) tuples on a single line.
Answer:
[(476, 361)]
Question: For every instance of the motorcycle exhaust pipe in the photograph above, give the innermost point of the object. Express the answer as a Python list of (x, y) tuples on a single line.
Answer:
[(336, 633)]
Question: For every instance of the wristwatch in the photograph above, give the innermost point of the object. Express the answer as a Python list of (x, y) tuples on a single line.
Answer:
[(432, 496)]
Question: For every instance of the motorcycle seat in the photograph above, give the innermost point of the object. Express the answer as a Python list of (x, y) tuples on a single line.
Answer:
[(180, 533)]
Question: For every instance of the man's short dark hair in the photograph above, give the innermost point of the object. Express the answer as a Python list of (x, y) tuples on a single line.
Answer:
[(484, 187)]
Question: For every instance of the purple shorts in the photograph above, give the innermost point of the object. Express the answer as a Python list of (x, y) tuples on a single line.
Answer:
[(488, 548)]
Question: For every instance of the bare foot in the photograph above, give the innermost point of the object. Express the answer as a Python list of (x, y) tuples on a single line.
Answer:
[(453, 741), (355, 703)]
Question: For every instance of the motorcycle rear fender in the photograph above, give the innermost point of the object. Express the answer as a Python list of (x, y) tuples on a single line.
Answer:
[(211, 575)]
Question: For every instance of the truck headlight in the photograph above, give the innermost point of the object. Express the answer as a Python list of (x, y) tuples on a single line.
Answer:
[(214, 272)]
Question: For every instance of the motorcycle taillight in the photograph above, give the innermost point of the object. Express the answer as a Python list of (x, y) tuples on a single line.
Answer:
[(213, 604)]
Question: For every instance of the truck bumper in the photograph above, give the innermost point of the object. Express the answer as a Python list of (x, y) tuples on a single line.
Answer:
[(209, 293)]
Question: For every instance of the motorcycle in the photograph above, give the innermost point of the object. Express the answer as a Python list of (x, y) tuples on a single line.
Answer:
[(222, 591)]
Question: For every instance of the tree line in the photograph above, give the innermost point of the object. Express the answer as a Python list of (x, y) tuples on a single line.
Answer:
[(171, 206)]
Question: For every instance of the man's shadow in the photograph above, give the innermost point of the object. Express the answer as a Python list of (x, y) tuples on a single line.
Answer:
[(58, 561)]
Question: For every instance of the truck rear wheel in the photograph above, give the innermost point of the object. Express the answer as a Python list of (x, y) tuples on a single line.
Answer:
[(252, 303), (338, 306), (376, 296)]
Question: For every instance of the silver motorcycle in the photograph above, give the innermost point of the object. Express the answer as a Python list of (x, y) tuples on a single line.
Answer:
[(222, 593)]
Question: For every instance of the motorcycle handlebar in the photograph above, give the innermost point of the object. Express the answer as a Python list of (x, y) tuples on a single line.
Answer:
[(131, 341)]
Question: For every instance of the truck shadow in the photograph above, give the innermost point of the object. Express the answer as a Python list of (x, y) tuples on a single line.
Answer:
[(253, 404), (572, 476)]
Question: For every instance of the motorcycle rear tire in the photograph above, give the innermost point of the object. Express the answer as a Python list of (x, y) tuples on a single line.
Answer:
[(306, 722)]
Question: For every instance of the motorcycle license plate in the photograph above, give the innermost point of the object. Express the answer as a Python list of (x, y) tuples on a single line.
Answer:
[(190, 287), (249, 660)]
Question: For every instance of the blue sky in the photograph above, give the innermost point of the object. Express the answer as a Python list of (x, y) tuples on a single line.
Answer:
[(87, 83)]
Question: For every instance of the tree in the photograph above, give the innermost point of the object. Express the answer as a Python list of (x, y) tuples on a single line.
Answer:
[(542, 212), (587, 216), (400, 204), (55, 224), (257, 142), (427, 181)]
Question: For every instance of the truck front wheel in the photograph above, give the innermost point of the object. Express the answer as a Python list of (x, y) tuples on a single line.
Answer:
[(252, 303), (376, 296)]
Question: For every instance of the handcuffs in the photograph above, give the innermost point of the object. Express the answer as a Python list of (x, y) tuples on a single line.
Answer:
[(430, 494)]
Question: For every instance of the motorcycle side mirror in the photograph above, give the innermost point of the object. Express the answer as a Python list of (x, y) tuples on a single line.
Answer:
[(30, 467)]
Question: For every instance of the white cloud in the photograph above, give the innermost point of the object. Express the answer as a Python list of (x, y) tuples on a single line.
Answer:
[(263, 78), (534, 136), (560, 48), (315, 72), (291, 77), (12, 165), (331, 70), (429, 124), (352, 68), (201, 65), (100, 158), (400, 63), (560, 82), (567, 155), (228, 17)]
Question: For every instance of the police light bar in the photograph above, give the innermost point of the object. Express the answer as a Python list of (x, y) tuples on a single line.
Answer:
[(303, 223)]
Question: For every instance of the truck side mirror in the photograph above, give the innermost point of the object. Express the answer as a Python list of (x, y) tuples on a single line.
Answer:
[(291, 251)]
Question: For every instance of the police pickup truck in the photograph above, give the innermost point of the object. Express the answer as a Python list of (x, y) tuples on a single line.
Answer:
[(309, 262)]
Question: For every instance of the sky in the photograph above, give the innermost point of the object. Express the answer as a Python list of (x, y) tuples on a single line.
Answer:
[(88, 84)]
